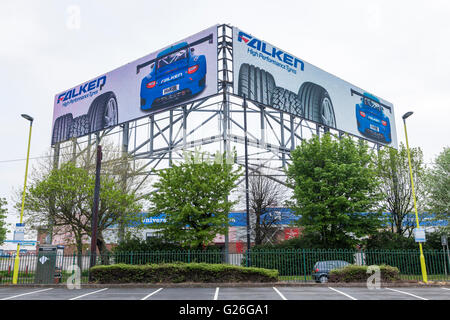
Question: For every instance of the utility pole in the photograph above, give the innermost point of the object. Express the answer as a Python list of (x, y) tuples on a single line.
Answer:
[(94, 222)]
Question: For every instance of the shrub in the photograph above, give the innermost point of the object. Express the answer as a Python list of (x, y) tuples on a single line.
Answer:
[(355, 273), (180, 272)]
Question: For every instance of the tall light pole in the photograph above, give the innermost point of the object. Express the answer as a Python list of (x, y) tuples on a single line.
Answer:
[(422, 258), (17, 259)]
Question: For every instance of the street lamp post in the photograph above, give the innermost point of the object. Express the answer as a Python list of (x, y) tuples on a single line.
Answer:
[(17, 259), (422, 257)]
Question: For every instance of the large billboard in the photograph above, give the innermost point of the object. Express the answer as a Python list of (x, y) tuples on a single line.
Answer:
[(266, 74), (180, 73)]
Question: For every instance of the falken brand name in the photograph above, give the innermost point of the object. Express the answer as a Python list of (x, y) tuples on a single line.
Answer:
[(83, 89), (175, 76), (269, 50)]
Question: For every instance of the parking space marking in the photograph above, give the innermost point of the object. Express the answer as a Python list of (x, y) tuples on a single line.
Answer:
[(86, 294), (216, 294), (408, 294), (445, 288), (149, 295), (24, 294), (279, 293), (347, 295)]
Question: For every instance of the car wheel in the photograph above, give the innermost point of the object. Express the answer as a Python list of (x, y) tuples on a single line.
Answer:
[(62, 128), (255, 83), (287, 101), (323, 279), (317, 104), (103, 112)]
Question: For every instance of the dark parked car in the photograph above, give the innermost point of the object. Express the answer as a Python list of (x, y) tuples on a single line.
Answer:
[(322, 269)]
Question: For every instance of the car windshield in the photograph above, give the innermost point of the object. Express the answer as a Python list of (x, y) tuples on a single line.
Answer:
[(372, 104), (171, 58)]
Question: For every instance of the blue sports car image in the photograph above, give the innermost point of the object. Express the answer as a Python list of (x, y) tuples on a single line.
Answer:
[(176, 75), (370, 118)]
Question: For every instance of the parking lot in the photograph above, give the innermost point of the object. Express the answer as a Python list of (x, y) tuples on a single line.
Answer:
[(227, 293)]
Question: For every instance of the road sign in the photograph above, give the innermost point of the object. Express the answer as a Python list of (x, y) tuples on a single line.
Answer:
[(19, 232), (419, 235), (444, 240)]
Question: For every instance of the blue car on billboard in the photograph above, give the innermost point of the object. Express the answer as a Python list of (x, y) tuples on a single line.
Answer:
[(370, 118), (176, 74)]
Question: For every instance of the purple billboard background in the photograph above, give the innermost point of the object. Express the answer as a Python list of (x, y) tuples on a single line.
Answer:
[(125, 83)]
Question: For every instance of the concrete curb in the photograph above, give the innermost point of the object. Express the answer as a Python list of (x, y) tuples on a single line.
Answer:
[(232, 285)]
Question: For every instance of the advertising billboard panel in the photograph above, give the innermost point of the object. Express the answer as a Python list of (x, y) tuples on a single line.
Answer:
[(180, 73), (271, 76)]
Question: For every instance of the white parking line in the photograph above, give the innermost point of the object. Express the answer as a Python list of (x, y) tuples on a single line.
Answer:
[(281, 295), (407, 293), (149, 295), (86, 294), (347, 295), (445, 288), (24, 294), (216, 294)]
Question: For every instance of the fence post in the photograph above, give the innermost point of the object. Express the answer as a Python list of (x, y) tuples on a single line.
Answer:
[(304, 263), (131, 257)]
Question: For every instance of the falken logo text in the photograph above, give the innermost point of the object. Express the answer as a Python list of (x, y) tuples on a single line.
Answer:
[(267, 52), (83, 90)]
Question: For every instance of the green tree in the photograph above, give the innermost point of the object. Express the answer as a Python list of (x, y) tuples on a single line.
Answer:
[(334, 181), (395, 186), (193, 195), (65, 197), (438, 186), (62, 196), (3, 212)]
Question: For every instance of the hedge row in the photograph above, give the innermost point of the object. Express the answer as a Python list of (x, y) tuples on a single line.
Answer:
[(180, 272), (354, 273)]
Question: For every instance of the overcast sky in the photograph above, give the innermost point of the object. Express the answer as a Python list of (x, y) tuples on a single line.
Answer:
[(398, 50)]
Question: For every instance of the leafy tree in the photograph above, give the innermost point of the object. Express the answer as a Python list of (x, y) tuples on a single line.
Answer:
[(3, 212), (193, 195), (65, 197), (395, 186), (334, 181), (438, 186)]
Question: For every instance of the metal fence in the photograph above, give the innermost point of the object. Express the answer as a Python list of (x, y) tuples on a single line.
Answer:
[(292, 264)]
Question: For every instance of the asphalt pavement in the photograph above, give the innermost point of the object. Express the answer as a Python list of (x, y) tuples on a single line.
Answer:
[(227, 293)]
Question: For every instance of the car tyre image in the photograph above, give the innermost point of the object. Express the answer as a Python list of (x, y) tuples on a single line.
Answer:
[(323, 279), (287, 101), (317, 104), (255, 83), (61, 128), (80, 126), (103, 112)]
